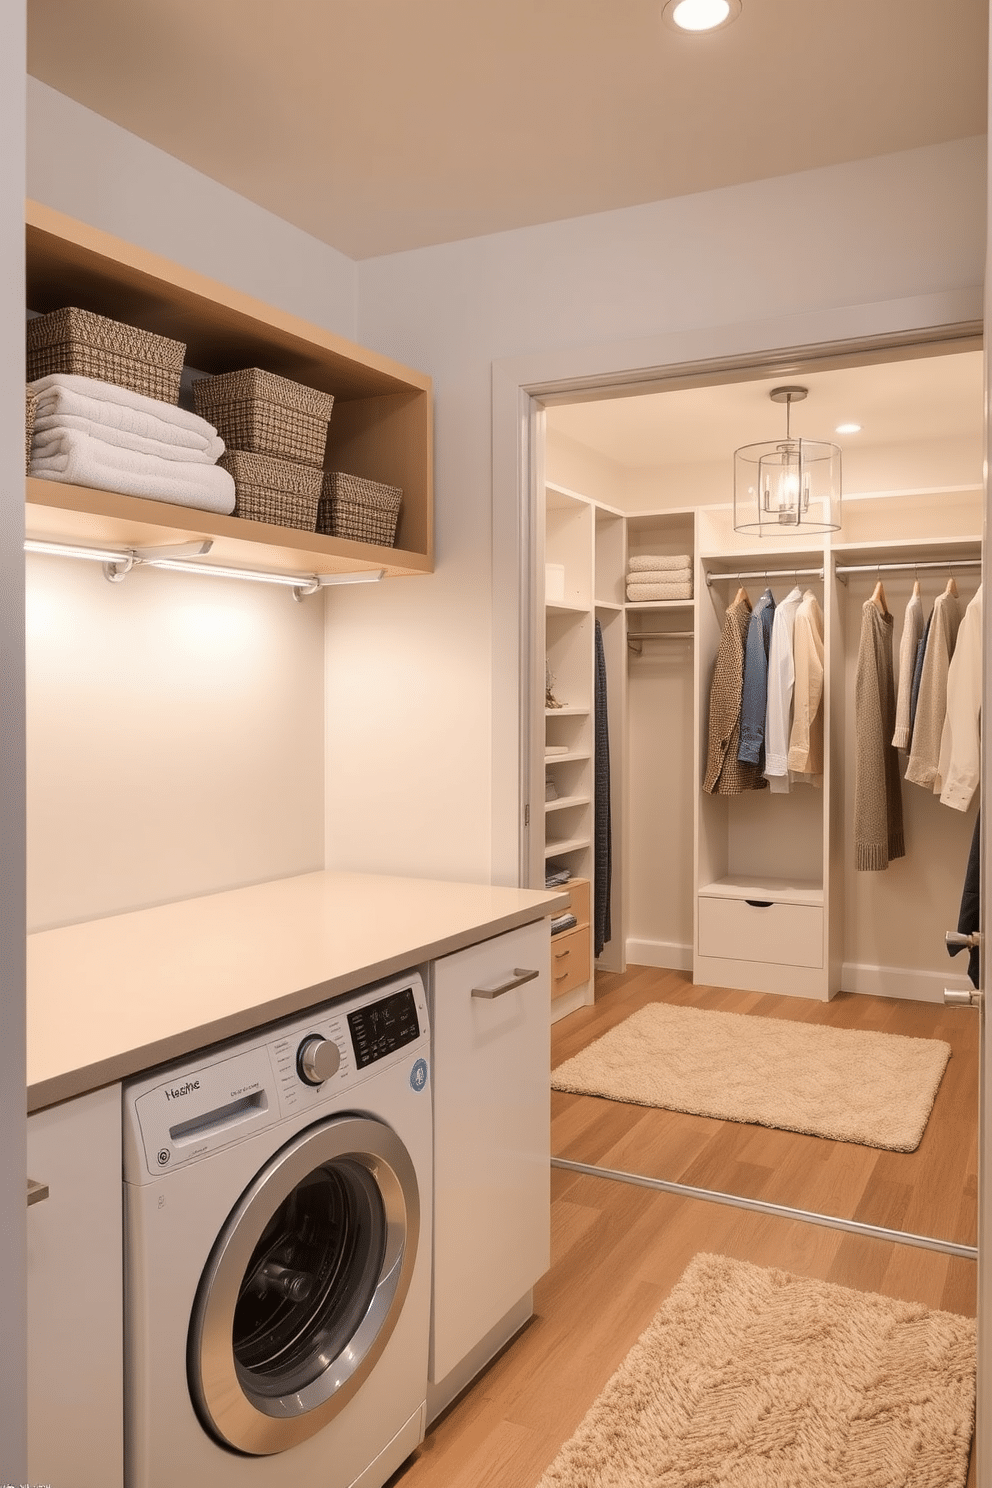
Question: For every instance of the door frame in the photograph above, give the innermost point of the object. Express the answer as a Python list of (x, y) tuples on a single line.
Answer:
[(522, 389)]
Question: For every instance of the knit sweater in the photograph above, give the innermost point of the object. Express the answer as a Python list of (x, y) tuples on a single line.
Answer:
[(878, 833)]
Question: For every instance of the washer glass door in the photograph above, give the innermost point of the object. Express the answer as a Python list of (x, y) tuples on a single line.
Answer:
[(304, 1285)]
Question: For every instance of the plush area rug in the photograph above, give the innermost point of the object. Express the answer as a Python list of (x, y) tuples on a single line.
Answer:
[(754, 1378), (874, 1088)]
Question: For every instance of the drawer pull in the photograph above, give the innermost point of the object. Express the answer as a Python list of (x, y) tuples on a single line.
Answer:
[(36, 1191), (560, 955), (520, 975), (760, 903)]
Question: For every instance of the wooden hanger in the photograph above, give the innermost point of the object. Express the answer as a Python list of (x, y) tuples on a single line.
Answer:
[(878, 598), (741, 595), (952, 587), (916, 588)]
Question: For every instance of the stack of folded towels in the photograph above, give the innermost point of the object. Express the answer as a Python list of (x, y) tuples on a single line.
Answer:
[(659, 576), (93, 433)]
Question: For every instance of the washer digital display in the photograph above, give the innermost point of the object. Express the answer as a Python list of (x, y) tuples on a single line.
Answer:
[(380, 1028)]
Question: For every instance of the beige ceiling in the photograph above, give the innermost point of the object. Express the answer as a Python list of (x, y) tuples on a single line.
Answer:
[(935, 398), (383, 125)]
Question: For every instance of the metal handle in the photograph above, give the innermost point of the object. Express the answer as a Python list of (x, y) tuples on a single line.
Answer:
[(962, 997), (520, 975), (36, 1191), (955, 941)]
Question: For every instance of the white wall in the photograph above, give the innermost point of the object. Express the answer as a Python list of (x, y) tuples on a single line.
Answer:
[(13, 1405), (175, 725), (582, 295)]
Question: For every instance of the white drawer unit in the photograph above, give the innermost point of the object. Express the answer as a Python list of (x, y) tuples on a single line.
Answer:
[(761, 930), (492, 1149)]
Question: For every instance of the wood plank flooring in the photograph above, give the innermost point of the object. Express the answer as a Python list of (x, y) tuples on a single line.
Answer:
[(617, 1251), (618, 1248), (932, 1191)]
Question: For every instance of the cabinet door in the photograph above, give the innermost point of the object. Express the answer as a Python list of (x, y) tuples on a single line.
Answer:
[(75, 1295), (492, 1137)]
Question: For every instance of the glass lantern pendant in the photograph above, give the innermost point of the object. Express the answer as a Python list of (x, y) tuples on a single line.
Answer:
[(788, 484)]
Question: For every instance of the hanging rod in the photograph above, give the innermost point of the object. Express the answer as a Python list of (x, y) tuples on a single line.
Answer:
[(768, 573), (880, 568), (660, 635)]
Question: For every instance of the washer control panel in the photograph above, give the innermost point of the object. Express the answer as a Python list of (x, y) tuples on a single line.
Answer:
[(175, 1117)]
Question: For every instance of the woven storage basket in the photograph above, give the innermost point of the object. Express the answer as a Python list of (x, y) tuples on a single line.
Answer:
[(268, 490), (270, 415), (88, 345), (29, 403), (363, 510)]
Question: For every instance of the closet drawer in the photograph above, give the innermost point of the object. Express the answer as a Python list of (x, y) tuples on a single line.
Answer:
[(569, 960), (578, 900), (786, 934)]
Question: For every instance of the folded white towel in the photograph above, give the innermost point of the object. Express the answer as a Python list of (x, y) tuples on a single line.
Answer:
[(52, 427), (661, 576), (119, 408), (659, 560), (82, 461), (640, 592)]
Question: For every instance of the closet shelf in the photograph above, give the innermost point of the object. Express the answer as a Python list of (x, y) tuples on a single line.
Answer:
[(658, 604), (568, 711), (569, 845), (761, 886), (562, 803), (563, 607), (381, 426), (564, 759)]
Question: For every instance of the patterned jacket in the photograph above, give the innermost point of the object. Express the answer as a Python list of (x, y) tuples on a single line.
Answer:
[(726, 775)]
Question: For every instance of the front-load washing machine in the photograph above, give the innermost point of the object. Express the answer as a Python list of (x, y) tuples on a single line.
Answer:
[(278, 1252)]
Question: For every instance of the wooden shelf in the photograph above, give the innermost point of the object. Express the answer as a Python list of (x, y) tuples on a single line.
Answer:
[(381, 425), (562, 803)]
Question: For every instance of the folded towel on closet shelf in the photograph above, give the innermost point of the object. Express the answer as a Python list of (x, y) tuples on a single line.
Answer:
[(661, 576), (106, 404), (562, 922), (48, 436), (650, 561), (641, 592), (83, 461), (555, 877)]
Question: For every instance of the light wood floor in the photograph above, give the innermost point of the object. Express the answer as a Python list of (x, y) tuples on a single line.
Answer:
[(618, 1249), (932, 1191)]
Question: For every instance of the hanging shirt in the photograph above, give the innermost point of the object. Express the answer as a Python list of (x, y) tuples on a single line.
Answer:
[(914, 696), (878, 834), (725, 774), (755, 690), (781, 678), (912, 635), (924, 754), (806, 738), (959, 767)]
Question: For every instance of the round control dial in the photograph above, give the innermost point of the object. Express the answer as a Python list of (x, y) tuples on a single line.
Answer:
[(317, 1059)]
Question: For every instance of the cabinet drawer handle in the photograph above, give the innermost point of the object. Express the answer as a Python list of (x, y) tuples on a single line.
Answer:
[(520, 975), (760, 903), (560, 955), (562, 976), (36, 1191)]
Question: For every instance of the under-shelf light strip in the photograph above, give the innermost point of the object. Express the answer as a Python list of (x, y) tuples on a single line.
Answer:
[(121, 561)]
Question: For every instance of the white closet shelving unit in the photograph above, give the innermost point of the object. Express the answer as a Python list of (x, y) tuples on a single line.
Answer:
[(584, 546), (766, 865)]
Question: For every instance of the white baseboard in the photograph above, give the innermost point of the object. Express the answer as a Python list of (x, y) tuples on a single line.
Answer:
[(900, 981), (666, 953)]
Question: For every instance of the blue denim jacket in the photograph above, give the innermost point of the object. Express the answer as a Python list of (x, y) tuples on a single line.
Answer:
[(755, 692)]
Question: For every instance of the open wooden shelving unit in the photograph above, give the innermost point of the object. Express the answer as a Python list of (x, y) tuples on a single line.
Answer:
[(381, 425)]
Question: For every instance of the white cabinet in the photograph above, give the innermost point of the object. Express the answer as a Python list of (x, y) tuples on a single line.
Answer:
[(491, 1148), (75, 1295)]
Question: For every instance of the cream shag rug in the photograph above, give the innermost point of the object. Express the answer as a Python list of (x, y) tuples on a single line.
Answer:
[(873, 1088), (755, 1378)]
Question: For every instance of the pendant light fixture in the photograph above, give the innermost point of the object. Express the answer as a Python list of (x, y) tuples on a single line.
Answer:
[(787, 484)]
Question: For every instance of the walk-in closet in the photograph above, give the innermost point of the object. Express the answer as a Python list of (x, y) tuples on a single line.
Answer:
[(758, 889)]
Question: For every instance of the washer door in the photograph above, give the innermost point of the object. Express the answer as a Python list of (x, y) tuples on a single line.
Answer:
[(304, 1285)]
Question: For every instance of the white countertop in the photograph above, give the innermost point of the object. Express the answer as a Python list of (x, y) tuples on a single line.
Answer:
[(109, 998)]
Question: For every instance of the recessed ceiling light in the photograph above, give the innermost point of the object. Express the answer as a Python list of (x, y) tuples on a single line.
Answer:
[(848, 429), (700, 15)]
